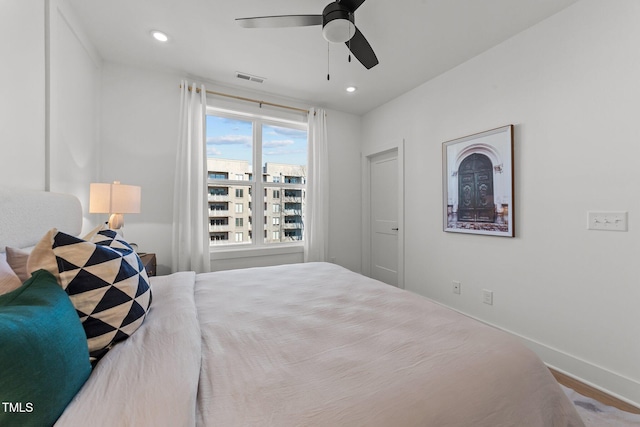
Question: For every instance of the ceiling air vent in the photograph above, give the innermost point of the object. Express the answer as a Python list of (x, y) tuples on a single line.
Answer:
[(249, 77)]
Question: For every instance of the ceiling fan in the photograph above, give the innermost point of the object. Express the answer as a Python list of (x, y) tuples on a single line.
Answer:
[(338, 26)]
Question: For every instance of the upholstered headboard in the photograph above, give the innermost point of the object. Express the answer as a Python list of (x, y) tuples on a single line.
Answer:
[(26, 215)]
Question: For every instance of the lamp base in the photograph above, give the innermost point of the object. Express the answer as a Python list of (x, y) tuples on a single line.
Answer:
[(116, 221)]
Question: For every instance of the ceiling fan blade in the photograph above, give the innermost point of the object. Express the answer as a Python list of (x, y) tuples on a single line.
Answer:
[(352, 5), (280, 21), (362, 50)]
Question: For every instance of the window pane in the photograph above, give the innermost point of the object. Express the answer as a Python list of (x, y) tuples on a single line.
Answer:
[(229, 148), (293, 214), (284, 217), (229, 214), (284, 154)]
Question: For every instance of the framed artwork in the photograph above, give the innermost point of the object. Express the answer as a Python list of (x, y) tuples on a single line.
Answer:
[(477, 183)]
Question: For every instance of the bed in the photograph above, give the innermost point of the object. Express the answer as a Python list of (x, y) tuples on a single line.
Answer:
[(298, 345)]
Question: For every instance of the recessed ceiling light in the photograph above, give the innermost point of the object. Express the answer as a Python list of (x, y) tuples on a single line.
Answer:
[(160, 36), (351, 89)]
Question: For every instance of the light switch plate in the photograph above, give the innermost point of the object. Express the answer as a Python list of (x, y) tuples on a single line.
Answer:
[(609, 221)]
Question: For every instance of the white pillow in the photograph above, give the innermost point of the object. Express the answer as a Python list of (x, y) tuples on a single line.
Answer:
[(17, 259), (9, 281)]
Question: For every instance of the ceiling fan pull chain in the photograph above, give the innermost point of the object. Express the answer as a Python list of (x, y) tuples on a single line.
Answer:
[(328, 76), (349, 35)]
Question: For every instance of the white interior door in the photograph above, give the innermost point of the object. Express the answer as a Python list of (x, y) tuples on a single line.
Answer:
[(384, 216)]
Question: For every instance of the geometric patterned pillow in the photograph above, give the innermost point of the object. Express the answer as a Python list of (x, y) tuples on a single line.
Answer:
[(105, 280)]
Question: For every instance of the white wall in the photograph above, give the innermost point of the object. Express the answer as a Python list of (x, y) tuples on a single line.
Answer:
[(139, 132), (59, 154), (22, 85), (571, 87), (345, 233), (74, 100)]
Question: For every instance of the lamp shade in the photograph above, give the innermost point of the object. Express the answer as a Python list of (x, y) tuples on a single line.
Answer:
[(115, 199), (125, 198), (99, 198)]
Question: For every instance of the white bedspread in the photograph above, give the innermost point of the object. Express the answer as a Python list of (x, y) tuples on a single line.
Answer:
[(317, 345), (150, 379), (313, 345)]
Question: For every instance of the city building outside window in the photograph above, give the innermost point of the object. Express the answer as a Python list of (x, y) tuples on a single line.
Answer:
[(263, 163)]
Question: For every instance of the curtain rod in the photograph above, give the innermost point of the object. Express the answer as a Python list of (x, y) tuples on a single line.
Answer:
[(257, 101)]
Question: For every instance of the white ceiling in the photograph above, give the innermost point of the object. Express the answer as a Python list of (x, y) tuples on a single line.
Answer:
[(415, 41)]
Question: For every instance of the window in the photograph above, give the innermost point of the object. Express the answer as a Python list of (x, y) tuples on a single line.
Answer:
[(218, 206), (218, 175), (292, 235), (218, 191), (218, 238), (217, 222), (293, 179), (263, 162)]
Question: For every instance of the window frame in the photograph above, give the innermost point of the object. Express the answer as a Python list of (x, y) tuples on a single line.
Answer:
[(257, 186)]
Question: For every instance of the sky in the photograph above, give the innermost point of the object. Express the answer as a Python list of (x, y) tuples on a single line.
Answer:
[(232, 139)]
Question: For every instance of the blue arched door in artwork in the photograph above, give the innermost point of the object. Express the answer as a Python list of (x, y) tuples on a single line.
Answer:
[(475, 189)]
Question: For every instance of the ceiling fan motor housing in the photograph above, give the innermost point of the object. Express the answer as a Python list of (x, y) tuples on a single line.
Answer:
[(338, 24)]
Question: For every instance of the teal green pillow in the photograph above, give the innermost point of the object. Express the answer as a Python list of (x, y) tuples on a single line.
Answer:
[(44, 358)]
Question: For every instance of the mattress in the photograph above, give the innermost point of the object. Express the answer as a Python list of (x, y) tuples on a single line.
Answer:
[(313, 345)]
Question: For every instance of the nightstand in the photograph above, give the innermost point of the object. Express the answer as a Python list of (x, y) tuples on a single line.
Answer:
[(149, 261)]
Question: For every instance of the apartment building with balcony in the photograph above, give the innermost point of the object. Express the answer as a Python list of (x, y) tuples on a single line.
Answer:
[(232, 212)]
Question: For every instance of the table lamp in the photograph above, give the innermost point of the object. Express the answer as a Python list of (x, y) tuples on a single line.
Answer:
[(114, 199)]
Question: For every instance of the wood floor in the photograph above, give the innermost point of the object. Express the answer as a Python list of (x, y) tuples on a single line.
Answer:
[(593, 393)]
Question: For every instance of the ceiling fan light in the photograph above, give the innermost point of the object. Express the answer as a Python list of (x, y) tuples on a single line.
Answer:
[(338, 30)]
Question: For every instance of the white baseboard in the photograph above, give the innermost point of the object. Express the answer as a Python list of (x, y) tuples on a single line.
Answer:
[(605, 380), (612, 383)]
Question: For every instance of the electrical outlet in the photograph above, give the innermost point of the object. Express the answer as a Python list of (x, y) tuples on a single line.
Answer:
[(487, 296), (456, 287)]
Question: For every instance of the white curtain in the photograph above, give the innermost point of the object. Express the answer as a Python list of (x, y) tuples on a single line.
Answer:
[(190, 241), (316, 238)]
